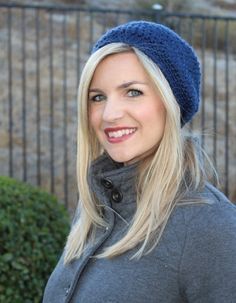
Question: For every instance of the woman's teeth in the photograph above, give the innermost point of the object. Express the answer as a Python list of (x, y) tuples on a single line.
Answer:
[(120, 133)]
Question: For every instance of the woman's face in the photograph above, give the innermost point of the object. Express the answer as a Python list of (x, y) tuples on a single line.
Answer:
[(125, 110)]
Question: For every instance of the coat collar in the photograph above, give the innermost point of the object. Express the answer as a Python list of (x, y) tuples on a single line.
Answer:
[(109, 179)]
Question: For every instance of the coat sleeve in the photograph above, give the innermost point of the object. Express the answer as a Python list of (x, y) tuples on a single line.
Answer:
[(208, 263)]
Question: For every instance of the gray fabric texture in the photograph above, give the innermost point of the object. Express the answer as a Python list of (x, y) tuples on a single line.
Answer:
[(195, 260)]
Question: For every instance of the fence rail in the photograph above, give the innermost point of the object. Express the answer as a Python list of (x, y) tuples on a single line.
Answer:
[(42, 51)]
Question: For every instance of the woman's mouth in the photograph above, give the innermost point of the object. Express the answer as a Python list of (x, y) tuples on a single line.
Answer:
[(116, 135)]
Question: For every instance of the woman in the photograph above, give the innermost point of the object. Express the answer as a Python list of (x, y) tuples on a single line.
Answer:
[(149, 227)]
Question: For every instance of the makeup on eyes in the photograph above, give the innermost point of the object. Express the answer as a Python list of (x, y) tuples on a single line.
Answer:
[(97, 92)]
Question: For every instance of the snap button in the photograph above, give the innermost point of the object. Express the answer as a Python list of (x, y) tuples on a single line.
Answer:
[(116, 196), (67, 289), (107, 183)]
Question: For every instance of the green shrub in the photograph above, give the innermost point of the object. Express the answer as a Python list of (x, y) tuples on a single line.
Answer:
[(33, 229)]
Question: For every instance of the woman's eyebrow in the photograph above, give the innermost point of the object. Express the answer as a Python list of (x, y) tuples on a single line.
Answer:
[(121, 86), (127, 84), (94, 90)]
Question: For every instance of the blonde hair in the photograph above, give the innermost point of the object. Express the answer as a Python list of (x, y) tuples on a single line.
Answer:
[(162, 181)]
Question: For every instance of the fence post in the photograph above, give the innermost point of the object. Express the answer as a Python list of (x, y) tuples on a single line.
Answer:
[(158, 8)]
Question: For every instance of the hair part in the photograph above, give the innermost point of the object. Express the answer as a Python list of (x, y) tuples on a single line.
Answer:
[(162, 181)]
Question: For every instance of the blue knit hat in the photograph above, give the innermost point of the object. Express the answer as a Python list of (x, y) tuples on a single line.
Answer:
[(174, 56)]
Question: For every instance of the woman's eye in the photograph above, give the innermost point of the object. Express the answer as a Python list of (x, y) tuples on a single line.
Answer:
[(97, 98), (134, 93)]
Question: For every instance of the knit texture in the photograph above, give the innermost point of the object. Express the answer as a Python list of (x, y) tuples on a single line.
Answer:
[(173, 55)]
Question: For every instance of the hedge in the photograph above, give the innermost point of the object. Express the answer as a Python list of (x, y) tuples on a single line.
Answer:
[(33, 230)]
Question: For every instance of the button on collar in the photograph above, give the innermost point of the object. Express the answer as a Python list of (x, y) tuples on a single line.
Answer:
[(67, 290), (116, 196), (107, 183)]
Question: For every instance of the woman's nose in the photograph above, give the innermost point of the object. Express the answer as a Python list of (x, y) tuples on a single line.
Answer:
[(113, 110)]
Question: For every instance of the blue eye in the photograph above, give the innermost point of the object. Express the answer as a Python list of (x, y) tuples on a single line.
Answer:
[(97, 98), (134, 93)]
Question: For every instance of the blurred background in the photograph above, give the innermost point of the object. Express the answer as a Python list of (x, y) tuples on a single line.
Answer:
[(43, 47)]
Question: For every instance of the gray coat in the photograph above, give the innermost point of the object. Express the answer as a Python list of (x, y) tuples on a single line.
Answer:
[(195, 261)]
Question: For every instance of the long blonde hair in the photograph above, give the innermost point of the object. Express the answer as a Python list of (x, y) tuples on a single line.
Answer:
[(162, 181)]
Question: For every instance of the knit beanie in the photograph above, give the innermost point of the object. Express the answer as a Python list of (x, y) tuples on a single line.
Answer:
[(173, 55)]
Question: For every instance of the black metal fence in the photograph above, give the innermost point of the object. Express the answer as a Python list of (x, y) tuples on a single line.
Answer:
[(42, 51)]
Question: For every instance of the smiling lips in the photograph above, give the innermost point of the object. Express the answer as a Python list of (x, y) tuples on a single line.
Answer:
[(116, 135)]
